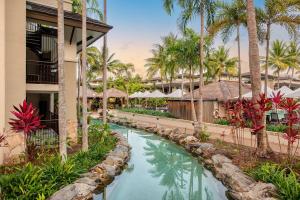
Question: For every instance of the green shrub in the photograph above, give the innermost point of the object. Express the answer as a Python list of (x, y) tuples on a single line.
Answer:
[(148, 112), (283, 178), (222, 122), (276, 128), (41, 181)]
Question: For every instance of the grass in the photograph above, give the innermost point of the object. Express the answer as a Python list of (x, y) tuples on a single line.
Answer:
[(38, 182), (281, 128), (148, 112)]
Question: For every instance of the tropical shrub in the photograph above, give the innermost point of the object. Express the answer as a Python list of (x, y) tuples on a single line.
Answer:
[(283, 178), (148, 112), (222, 121), (41, 181), (277, 128)]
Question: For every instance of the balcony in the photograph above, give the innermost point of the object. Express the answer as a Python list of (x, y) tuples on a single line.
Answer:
[(41, 72)]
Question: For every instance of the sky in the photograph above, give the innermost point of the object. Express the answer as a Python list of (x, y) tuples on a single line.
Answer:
[(139, 24)]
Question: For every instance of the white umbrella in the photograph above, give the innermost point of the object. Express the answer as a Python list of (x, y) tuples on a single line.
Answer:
[(284, 90), (144, 94), (294, 94), (136, 95), (155, 94), (176, 94), (269, 92)]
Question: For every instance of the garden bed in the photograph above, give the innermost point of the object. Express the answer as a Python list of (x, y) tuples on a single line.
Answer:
[(148, 112), (46, 175)]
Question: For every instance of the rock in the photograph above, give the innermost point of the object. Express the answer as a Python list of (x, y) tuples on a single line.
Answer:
[(219, 159), (188, 140), (259, 191)]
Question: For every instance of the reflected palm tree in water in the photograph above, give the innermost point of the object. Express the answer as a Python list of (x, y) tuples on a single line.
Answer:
[(177, 172)]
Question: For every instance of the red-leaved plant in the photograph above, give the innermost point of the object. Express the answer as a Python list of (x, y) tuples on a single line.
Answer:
[(27, 120)]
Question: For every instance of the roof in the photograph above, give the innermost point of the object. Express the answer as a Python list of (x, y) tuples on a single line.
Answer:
[(113, 92), (221, 91), (49, 11), (176, 94), (90, 93)]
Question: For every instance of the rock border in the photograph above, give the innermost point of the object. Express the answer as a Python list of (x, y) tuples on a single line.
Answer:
[(240, 186), (99, 176)]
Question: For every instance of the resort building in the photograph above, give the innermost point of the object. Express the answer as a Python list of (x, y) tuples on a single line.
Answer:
[(28, 60)]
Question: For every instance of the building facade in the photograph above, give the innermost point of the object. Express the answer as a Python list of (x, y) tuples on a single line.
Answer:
[(28, 61)]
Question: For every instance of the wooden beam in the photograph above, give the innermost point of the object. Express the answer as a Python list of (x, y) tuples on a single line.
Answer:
[(72, 34)]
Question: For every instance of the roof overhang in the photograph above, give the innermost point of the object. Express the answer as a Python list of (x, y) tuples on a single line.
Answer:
[(43, 13)]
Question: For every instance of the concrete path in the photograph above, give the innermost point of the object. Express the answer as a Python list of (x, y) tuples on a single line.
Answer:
[(276, 141)]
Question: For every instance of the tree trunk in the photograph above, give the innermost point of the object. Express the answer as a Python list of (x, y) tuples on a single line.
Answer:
[(255, 70), (267, 57), (200, 101), (78, 92), (85, 144), (104, 68), (293, 71), (278, 79), (182, 84), (239, 61), (194, 115), (61, 84)]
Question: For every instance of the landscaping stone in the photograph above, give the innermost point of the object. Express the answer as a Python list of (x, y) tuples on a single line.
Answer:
[(100, 175)]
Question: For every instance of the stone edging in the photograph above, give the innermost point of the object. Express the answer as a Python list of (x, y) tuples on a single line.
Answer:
[(240, 186), (99, 176)]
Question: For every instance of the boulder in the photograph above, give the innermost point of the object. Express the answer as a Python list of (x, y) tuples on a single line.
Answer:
[(258, 191), (188, 140)]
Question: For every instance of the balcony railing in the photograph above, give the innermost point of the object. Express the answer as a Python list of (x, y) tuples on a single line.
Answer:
[(48, 135), (41, 72)]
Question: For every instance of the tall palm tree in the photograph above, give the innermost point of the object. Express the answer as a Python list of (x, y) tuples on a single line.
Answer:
[(85, 144), (61, 84), (230, 17), (220, 63), (294, 54), (190, 9), (104, 108), (156, 65), (280, 13), (280, 59), (254, 66)]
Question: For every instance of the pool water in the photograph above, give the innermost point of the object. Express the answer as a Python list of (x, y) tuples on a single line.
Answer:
[(161, 170)]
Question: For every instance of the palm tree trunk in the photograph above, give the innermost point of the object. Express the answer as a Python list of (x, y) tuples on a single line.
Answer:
[(293, 71), (104, 69), (200, 101), (239, 61), (267, 57), (78, 92), (278, 79), (61, 84), (255, 70), (194, 115), (85, 145), (182, 83)]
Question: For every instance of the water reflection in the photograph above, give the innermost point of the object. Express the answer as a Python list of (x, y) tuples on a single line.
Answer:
[(172, 168), (160, 170)]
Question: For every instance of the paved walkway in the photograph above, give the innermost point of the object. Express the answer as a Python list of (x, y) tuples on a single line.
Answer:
[(216, 131)]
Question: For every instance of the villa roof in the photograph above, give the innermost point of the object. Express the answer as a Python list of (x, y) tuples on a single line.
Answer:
[(115, 93), (48, 13), (90, 93), (221, 91)]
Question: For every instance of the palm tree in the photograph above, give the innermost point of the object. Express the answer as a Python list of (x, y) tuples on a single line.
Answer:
[(85, 144), (104, 108), (220, 63), (294, 54), (92, 8), (190, 9), (279, 59), (255, 69), (231, 16), (61, 84), (280, 13), (156, 65)]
